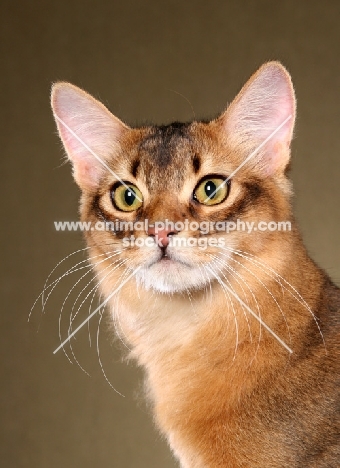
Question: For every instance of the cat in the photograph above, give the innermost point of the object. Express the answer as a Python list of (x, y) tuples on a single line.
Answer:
[(239, 339)]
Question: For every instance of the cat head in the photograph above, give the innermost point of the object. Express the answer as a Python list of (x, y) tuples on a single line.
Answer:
[(174, 197)]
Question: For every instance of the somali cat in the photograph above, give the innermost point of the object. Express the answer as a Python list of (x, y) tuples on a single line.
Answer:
[(239, 340)]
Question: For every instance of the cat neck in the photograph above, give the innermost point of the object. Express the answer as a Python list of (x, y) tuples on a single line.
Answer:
[(217, 319)]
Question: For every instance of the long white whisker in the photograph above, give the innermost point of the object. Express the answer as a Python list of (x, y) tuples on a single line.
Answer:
[(230, 270), (93, 279), (94, 289), (266, 288), (99, 359), (256, 316), (226, 293), (97, 309), (73, 269), (89, 312), (207, 282), (116, 319), (112, 267), (278, 278), (54, 283), (59, 263), (70, 291)]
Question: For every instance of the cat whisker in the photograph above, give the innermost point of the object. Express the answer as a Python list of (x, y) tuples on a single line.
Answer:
[(54, 283), (227, 295), (89, 312), (61, 313), (256, 316), (94, 277), (115, 265), (94, 290), (73, 317), (206, 283), (70, 291), (224, 265), (230, 270), (266, 288), (116, 319), (99, 358), (268, 270), (262, 266), (112, 267), (278, 278), (96, 310), (60, 262), (234, 273)]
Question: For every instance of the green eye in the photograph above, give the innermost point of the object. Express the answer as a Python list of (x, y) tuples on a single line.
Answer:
[(126, 197), (211, 190)]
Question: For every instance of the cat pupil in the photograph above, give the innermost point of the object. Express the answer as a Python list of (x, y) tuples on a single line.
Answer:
[(209, 189), (129, 197)]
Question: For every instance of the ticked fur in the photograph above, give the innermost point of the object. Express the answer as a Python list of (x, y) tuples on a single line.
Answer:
[(224, 391)]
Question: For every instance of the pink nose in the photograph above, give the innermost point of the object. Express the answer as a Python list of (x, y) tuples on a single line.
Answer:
[(161, 236)]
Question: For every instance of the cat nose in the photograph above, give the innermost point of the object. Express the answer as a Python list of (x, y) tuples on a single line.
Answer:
[(162, 236)]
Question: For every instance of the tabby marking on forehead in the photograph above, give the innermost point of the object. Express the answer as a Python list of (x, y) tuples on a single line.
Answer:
[(135, 166), (163, 142)]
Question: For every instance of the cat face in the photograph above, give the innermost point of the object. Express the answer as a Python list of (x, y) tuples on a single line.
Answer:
[(171, 196)]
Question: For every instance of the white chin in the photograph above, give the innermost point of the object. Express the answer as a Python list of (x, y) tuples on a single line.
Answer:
[(171, 277)]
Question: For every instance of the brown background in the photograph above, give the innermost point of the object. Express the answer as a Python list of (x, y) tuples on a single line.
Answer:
[(135, 56)]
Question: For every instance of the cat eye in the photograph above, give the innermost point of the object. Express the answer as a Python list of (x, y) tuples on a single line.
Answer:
[(211, 190), (126, 197)]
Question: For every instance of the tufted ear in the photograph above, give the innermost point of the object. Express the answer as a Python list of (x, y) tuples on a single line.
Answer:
[(89, 132), (263, 114)]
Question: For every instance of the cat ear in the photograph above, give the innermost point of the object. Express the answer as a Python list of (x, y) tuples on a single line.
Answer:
[(261, 119), (89, 132)]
